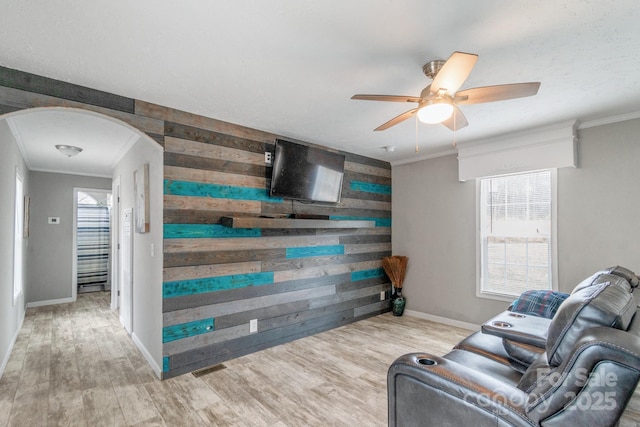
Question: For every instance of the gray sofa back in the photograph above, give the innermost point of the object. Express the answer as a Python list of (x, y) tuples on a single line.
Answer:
[(605, 300)]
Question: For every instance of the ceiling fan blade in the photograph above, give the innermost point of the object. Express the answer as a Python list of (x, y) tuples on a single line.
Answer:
[(478, 95), (454, 72), (401, 118), (456, 121), (388, 98)]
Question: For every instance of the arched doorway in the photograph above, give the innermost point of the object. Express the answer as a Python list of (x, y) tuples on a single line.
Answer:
[(106, 143)]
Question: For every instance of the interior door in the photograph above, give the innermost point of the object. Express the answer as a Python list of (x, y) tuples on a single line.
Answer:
[(126, 269)]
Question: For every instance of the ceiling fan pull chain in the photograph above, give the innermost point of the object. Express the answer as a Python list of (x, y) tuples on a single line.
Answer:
[(454, 130), (417, 149)]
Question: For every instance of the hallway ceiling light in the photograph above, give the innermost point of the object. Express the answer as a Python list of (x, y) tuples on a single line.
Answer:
[(69, 150)]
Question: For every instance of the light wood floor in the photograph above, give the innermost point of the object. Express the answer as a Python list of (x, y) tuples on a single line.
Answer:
[(73, 364)]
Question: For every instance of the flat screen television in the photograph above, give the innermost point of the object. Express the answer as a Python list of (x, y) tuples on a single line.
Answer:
[(306, 173)]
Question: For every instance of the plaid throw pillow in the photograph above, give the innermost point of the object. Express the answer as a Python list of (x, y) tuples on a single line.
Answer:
[(538, 303)]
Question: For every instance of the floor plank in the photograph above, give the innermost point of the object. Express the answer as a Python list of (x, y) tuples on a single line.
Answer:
[(74, 364)]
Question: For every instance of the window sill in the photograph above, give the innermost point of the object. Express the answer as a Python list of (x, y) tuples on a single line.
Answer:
[(496, 297)]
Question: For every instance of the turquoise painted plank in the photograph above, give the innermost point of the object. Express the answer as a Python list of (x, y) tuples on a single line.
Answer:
[(195, 231), (368, 187), (189, 329), (380, 222), (214, 284), (201, 189), (165, 364), (367, 274), (309, 251)]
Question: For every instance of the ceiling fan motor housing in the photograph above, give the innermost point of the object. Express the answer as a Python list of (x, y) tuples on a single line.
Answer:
[(431, 68)]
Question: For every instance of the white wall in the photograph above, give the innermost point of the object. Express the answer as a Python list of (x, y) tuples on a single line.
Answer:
[(434, 223), (10, 315), (51, 246), (147, 269)]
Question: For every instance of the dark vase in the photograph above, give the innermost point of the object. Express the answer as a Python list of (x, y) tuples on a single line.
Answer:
[(398, 303)]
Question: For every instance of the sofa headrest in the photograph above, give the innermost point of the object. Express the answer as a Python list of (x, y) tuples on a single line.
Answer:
[(626, 274), (619, 272), (602, 300)]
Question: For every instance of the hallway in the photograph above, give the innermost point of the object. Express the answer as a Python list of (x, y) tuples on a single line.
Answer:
[(70, 366)]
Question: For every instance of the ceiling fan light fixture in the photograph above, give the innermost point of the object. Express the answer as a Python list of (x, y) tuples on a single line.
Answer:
[(69, 150), (436, 111)]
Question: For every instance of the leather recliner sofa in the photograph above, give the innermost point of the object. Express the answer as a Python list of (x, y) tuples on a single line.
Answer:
[(579, 368)]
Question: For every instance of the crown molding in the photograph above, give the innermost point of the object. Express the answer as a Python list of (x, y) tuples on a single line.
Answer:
[(424, 157), (609, 120)]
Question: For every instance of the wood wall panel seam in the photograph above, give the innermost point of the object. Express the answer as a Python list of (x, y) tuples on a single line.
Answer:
[(217, 177), (192, 133), (366, 169), (340, 281), (202, 149), (218, 310), (173, 115), (184, 160), (63, 90), (213, 204), (24, 100), (248, 243)]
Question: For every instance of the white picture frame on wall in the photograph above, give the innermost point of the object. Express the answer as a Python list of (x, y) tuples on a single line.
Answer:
[(141, 194)]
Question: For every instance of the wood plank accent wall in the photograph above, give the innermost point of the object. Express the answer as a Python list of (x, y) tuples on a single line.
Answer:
[(295, 282)]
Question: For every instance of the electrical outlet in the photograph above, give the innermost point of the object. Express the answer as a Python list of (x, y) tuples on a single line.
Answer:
[(381, 295), (267, 157), (253, 326)]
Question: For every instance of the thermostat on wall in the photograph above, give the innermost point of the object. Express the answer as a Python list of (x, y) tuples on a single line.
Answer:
[(54, 220)]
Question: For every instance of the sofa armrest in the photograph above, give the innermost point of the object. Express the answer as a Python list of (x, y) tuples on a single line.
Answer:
[(518, 327), (604, 362), (424, 389)]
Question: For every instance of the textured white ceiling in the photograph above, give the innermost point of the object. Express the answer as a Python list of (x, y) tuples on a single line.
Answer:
[(290, 67)]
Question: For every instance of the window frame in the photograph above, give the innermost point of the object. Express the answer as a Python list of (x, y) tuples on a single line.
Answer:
[(480, 293)]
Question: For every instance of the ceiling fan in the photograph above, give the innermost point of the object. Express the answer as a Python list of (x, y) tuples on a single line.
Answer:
[(439, 101)]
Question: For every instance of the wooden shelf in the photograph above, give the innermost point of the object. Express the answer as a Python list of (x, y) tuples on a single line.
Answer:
[(254, 222)]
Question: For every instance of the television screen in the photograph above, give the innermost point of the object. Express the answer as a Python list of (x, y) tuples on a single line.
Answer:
[(306, 173)]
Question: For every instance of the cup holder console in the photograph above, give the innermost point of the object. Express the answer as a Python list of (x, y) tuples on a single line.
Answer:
[(427, 362), (500, 324), (519, 316)]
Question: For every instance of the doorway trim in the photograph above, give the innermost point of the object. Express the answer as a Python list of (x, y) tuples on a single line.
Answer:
[(115, 244), (126, 270), (74, 250)]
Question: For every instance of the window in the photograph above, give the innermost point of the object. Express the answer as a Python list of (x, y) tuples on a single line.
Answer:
[(516, 233), (17, 238)]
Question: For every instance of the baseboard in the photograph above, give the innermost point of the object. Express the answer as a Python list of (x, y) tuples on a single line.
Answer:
[(444, 320), (50, 302), (147, 355), (6, 357)]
